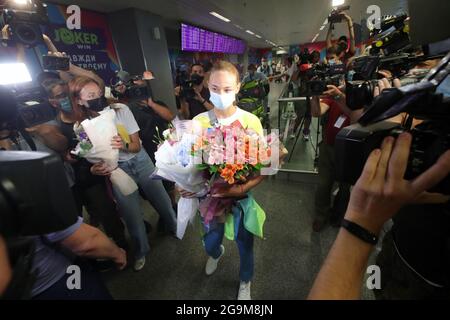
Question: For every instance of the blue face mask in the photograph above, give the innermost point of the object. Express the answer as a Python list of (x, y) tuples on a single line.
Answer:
[(66, 105), (331, 62), (444, 87), (350, 75)]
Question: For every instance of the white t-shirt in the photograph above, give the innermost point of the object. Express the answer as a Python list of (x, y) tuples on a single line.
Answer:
[(125, 117)]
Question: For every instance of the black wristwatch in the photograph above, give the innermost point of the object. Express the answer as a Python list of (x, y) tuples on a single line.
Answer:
[(359, 232)]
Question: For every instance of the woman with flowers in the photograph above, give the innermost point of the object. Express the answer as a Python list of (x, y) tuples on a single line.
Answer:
[(133, 160), (224, 85)]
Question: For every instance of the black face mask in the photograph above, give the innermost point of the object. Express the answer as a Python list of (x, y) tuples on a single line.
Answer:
[(196, 79), (97, 104)]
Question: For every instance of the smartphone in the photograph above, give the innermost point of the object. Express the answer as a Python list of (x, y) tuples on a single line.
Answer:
[(52, 63)]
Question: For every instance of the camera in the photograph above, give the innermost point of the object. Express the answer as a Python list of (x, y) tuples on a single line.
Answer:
[(131, 88), (35, 199), (24, 20), (337, 15), (320, 76), (24, 107), (392, 36), (430, 139), (52, 63), (187, 87)]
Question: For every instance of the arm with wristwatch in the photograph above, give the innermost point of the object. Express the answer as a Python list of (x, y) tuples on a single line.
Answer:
[(377, 196)]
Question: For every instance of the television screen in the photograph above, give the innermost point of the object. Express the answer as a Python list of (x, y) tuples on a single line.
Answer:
[(201, 40)]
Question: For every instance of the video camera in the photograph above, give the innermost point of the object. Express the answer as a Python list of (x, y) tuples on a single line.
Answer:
[(392, 51), (320, 76), (22, 105), (23, 19), (187, 86), (337, 15), (430, 139), (35, 199), (131, 88)]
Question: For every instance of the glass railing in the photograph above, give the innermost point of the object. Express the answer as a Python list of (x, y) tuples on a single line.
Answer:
[(300, 133)]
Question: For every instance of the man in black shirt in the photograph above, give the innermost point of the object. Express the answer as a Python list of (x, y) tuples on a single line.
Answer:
[(198, 102)]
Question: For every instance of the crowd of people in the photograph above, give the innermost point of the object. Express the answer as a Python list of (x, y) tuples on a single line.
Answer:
[(378, 196)]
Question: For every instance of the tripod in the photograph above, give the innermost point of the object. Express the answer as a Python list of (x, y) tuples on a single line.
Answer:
[(300, 130)]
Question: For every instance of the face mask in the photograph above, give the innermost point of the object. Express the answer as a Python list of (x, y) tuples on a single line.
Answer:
[(222, 101), (97, 104), (196, 79), (350, 75), (331, 62), (66, 105)]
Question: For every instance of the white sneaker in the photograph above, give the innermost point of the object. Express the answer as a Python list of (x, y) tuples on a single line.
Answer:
[(211, 264), (139, 264), (244, 291)]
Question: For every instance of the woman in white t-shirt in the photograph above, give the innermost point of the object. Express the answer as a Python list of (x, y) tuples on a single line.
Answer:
[(133, 159)]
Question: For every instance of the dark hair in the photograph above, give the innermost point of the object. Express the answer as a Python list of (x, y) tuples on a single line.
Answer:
[(45, 76), (207, 66), (50, 84), (332, 50), (290, 60), (343, 38), (197, 65), (252, 67), (315, 53)]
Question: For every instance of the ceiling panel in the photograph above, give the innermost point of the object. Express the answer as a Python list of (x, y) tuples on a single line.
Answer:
[(284, 22)]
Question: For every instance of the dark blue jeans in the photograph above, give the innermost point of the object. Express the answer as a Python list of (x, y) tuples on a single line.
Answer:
[(213, 239), (92, 287)]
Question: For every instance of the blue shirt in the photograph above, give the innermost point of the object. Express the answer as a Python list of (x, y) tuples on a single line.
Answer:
[(49, 261)]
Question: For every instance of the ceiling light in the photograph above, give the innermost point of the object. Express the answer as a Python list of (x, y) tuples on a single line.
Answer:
[(238, 26), (218, 16), (322, 27), (250, 32), (337, 3), (325, 22), (258, 36)]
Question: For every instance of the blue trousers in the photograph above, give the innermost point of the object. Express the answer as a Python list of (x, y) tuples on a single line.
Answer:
[(139, 169), (213, 239)]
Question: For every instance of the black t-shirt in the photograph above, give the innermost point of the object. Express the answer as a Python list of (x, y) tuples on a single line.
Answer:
[(148, 120), (422, 235), (195, 106), (82, 168)]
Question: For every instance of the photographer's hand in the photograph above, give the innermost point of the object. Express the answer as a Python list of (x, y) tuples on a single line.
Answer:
[(379, 193), (382, 189)]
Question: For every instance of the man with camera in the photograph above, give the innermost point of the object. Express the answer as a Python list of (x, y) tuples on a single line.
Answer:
[(342, 45), (333, 105), (193, 95)]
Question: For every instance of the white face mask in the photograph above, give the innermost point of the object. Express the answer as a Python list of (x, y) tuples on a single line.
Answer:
[(222, 101)]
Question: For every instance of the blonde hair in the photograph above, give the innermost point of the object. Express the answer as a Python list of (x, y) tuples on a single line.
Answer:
[(226, 66)]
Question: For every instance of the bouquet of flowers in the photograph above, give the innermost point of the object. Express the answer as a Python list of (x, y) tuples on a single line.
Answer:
[(204, 162), (94, 136), (231, 155), (175, 163)]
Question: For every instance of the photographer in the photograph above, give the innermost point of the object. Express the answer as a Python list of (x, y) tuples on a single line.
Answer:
[(333, 104), (342, 45), (378, 195), (195, 99), (152, 117)]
